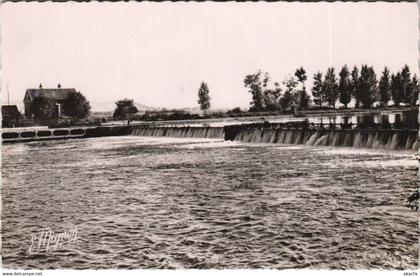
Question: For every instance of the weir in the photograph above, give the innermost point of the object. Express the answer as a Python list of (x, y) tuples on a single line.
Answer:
[(375, 139), (289, 133), (180, 132), (27, 135), (389, 139)]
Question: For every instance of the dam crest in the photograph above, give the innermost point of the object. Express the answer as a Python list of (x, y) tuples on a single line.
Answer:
[(293, 134), (388, 139)]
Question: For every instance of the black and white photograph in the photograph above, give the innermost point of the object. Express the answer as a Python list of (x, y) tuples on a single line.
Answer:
[(209, 136)]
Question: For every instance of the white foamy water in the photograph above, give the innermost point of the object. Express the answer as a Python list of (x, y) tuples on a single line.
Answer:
[(362, 151), (146, 202)]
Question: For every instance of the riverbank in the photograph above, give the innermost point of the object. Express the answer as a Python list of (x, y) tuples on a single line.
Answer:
[(180, 115), (353, 128), (272, 117)]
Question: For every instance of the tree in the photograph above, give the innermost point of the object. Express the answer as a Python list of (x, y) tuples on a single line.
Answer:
[(286, 101), (397, 89), (413, 91), (331, 87), (203, 97), (317, 89), (385, 87), (263, 97), (271, 97), (303, 99), (254, 84), (43, 108), (289, 99), (300, 74), (345, 88), (76, 106), (416, 85), (406, 81), (368, 86), (125, 108), (355, 85)]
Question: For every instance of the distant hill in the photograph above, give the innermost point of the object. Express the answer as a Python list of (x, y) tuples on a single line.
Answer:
[(96, 106), (142, 107), (110, 106)]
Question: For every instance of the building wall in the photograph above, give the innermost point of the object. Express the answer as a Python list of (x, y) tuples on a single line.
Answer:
[(28, 113)]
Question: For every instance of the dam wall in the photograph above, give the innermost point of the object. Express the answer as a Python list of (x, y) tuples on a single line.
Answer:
[(389, 139), (180, 132), (27, 135)]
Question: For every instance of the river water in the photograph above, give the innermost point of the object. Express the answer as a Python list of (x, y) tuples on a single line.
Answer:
[(408, 117), (146, 202)]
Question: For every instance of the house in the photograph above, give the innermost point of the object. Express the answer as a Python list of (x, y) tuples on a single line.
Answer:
[(10, 115), (59, 95)]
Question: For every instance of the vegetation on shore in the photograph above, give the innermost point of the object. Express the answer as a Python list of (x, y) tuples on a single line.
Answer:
[(203, 97), (361, 87), (125, 109), (329, 89)]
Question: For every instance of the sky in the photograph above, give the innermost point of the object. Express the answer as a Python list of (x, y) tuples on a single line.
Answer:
[(159, 53)]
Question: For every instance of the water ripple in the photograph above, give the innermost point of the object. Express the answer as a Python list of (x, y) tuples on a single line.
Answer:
[(184, 203)]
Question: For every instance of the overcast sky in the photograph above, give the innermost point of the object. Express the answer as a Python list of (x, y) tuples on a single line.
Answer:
[(158, 53)]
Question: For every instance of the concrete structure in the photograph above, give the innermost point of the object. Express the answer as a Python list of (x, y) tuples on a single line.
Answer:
[(38, 134)]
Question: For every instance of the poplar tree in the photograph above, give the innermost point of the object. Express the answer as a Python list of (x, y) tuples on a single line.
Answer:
[(385, 87), (331, 87), (406, 83), (368, 86), (345, 88), (397, 89), (412, 91), (317, 89), (204, 97), (355, 86)]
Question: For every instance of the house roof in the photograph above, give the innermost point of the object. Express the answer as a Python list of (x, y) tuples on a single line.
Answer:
[(9, 110), (55, 93)]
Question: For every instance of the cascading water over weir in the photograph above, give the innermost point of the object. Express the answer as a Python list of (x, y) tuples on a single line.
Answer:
[(180, 132), (389, 139), (376, 139)]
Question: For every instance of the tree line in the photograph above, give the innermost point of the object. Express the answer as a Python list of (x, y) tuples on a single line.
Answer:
[(331, 88), (328, 89), (266, 98)]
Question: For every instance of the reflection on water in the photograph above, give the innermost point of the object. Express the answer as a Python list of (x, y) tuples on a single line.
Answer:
[(401, 119), (407, 118), (200, 203)]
